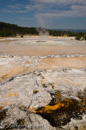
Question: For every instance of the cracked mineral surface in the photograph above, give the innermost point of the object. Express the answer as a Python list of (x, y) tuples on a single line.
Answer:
[(43, 91), (57, 95)]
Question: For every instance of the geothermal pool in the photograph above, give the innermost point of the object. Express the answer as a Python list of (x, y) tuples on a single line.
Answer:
[(42, 40)]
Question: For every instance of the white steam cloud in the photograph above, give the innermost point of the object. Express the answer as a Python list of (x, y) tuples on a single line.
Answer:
[(42, 31)]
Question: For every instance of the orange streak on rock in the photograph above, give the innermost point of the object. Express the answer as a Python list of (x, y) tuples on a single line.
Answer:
[(11, 94)]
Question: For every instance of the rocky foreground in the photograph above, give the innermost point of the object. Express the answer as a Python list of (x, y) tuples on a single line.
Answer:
[(42, 83), (43, 92)]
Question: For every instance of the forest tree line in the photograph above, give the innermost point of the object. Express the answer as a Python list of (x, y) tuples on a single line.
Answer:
[(7, 29)]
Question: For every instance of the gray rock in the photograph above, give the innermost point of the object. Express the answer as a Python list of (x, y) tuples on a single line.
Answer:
[(17, 119), (18, 93)]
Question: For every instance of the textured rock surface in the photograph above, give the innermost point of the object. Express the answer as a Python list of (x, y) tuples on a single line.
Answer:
[(15, 65), (21, 95), (49, 91)]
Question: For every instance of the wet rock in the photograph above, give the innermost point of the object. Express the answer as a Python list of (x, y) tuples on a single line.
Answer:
[(2, 114), (76, 128), (11, 78), (35, 91), (59, 113)]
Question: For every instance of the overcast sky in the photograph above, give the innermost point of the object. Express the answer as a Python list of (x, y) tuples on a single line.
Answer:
[(53, 14)]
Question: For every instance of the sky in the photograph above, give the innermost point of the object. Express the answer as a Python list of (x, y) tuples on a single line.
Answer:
[(50, 14)]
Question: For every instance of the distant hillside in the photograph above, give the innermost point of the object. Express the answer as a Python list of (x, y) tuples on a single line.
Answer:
[(7, 29), (70, 30)]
